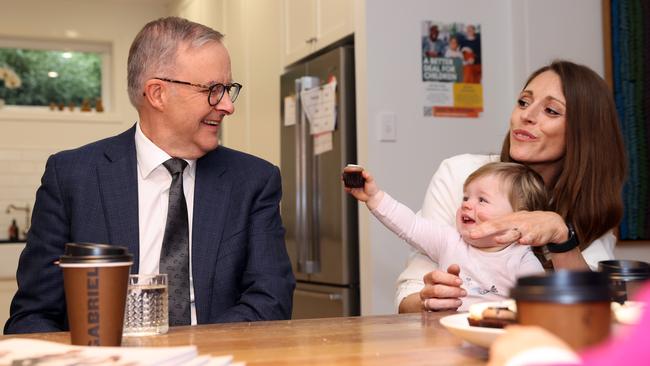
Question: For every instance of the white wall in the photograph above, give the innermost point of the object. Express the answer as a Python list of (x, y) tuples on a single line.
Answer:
[(546, 30), (517, 36), (633, 250), (27, 139), (253, 36)]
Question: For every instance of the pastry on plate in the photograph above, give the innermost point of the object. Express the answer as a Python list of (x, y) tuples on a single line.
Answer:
[(492, 314)]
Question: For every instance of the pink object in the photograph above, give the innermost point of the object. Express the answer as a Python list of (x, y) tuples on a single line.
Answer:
[(631, 348)]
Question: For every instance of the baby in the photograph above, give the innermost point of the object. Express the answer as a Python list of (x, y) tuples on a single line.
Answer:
[(488, 269)]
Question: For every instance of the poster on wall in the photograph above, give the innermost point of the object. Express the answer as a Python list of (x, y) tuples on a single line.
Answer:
[(451, 69)]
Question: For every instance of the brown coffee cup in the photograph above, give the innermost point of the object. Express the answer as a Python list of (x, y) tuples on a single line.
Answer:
[(574, 305), (95, 279), (352, 177), (626, 277)]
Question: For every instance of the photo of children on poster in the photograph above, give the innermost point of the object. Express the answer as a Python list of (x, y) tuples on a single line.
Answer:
[(451, 69)]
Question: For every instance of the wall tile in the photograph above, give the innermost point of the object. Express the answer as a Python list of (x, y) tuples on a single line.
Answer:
[(21, 171)]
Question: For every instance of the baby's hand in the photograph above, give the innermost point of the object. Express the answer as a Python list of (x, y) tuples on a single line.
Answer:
[(369, 193)]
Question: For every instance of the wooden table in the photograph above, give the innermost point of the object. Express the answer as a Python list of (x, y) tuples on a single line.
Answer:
[(407, 339)]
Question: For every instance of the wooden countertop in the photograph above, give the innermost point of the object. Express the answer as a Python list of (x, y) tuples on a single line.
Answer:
[(407, 339)]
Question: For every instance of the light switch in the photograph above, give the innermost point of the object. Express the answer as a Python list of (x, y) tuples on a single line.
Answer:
[(387, 127)]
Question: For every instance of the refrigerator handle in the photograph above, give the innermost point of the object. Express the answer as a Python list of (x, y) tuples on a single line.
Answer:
[(308, 247), (316, 204), (319, 295), (301, 184)]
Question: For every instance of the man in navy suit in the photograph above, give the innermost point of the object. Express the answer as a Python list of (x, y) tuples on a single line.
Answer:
[(117, 191)]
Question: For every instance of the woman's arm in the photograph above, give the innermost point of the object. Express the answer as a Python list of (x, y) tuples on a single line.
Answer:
[(541, 228), (601, 249), (572, 259)]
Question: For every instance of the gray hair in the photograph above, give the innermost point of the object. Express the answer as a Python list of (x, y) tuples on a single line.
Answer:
[(153, 50)]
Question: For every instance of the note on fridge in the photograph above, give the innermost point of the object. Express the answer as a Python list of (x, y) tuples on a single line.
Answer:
[(322, 142), (320, 106)]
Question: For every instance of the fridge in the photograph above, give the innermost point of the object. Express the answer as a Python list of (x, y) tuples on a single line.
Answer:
[(320, 218)]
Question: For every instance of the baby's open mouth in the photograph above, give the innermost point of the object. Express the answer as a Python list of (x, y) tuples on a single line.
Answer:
[(467, 220)]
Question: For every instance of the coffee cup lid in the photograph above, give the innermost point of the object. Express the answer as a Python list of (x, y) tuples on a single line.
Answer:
[(565, 287), (94, 253), (625, 269)]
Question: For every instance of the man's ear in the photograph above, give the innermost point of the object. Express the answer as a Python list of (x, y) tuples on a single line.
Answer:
[(155, 94)]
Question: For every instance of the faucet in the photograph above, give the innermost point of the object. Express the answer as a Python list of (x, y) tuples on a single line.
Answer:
[(27, 217)]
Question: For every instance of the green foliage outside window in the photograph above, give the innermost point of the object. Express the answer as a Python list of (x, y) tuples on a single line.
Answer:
[(79, 77)]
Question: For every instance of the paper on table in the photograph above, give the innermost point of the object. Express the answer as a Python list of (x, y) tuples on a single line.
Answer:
[(320, 108), (211, 361), (19, 351)]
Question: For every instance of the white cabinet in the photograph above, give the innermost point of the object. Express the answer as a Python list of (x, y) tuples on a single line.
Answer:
[(334, 20), (208, 12), (299, 29), (313, 24)]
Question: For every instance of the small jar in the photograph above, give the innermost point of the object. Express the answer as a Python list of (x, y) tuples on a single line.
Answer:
[(626, 277), (574, 305)]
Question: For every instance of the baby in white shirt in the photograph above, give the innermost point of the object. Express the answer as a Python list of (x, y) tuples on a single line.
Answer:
[(488, 269)]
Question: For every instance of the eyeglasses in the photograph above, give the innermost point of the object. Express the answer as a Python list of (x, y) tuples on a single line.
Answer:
[(215, 91)]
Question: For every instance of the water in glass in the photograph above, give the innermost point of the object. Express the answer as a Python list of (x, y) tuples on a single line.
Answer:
[(146, 306)]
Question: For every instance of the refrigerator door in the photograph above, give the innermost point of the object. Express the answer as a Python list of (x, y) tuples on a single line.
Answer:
[(319, 217), (336, 211), (320, 301)]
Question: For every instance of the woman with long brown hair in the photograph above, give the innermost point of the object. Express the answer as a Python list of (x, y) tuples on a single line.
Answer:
[(564, 126)]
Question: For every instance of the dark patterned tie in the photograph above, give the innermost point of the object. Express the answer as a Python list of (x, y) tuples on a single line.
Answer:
[(174, 257)]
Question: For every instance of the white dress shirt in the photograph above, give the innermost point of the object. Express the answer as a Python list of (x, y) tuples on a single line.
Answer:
[(153, 198)]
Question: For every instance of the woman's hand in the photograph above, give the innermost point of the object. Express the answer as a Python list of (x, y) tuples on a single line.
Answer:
[(442, 290), (533, 228), (518, 339), (525, 227)]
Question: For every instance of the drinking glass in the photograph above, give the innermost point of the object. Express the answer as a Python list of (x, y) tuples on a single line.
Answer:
[(147, 305)]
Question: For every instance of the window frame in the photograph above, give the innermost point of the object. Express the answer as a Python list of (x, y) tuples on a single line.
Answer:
[(105, 49)]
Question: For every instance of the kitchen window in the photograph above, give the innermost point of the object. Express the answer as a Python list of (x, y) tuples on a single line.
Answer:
[(54, 74)]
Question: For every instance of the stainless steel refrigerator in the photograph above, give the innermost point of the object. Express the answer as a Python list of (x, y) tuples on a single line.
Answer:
[(320, 218)]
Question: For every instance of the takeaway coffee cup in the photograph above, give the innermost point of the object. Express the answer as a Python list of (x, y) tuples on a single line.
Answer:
[(574, 305), (626, 277), (95, 278), (352, 177)]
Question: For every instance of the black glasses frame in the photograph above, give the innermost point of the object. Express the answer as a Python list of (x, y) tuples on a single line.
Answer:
[(219, 89)]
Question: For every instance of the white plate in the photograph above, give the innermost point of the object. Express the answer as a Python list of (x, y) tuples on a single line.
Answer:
[(457, 324)]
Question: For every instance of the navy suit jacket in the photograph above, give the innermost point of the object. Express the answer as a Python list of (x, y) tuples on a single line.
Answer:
[(240, 267)]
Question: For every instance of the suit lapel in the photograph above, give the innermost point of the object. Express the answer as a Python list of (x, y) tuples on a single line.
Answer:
[(118, 184), (211, 197)]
